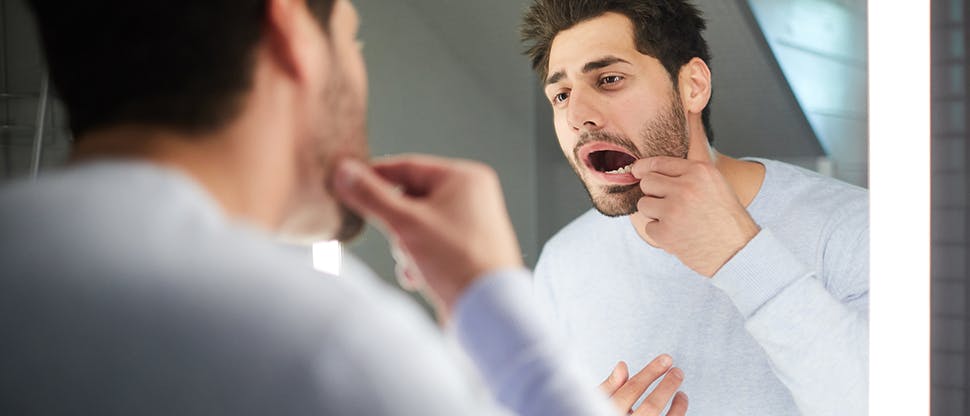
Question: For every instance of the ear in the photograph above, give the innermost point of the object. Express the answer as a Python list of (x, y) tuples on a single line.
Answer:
[(294, 39), (694, 82)]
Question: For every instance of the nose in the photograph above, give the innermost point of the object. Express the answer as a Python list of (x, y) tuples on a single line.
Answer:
[(583, 112)]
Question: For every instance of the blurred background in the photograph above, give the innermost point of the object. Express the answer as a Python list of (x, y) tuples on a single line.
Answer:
[(447, 77)]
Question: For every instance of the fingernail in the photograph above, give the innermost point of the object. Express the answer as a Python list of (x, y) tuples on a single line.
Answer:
[(683, 395), (347, 173), (676, 373), (665, 360), (616, 370)]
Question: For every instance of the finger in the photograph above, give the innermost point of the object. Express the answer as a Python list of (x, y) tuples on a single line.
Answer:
[(651, 208), (627, 395), (679, 406), (666, 165), (657, 185), (417, 174), (616, 379), (657, 230), (405, 279), (367, 193), (665, 390)]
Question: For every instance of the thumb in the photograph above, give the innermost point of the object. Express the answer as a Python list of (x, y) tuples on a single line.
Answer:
[(616, 379), (362, 190)]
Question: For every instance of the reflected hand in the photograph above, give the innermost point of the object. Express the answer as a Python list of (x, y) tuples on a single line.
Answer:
[(692, 212), (445, 218), (624, 391)]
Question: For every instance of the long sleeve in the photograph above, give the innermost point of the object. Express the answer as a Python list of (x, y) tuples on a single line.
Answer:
[(816, 337), (391, 360), (514, 352)]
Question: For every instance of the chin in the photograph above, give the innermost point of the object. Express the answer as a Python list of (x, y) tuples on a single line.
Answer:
[(316, 226), (616, 201), (351, 225)]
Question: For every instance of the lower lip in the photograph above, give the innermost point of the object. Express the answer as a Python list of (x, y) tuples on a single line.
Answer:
[(614, 178)]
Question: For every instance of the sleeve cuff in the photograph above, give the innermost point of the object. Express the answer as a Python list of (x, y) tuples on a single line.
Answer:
[(759, 272)]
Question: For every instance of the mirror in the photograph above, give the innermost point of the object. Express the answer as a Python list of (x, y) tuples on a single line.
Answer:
[(789, 84), (448, 78)]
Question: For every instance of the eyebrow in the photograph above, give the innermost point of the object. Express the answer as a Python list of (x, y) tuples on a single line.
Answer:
[(589, 67)]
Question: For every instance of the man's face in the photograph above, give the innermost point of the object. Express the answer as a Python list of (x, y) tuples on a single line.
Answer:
[(612, 105), (334, 129)]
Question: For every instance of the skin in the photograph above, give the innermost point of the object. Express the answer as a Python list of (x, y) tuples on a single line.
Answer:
[(690, 204), (625, 390)]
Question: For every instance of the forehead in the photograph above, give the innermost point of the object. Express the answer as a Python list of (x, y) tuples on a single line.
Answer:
[(608, 34)]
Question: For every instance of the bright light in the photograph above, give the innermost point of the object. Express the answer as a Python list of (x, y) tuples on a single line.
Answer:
[(899, 182), (326, 257)]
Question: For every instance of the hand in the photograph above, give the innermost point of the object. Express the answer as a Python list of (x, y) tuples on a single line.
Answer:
[(624, 390), (445, 218), (692, 212)]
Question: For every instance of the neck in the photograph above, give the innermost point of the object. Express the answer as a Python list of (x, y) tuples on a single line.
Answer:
[(744, 177), (245, 180)]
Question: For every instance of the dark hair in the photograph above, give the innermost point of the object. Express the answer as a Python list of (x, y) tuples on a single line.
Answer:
[(183, 64), (669, 30)]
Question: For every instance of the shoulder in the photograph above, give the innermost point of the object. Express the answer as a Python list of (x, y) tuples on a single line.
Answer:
[(793, 193), (824, 219), (795, 179)]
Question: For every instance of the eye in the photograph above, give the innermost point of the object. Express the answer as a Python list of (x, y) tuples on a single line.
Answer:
[(560, 98), (610, 80)]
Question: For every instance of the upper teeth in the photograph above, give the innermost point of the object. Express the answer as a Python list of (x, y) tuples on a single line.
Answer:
[(625, 169)]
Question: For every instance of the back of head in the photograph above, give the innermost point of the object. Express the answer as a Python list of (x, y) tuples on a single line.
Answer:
[(668, 30), (181, 64)]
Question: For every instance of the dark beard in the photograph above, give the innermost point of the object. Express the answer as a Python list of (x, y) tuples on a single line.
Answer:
[(351, 225), (341, 105), (666, 135)]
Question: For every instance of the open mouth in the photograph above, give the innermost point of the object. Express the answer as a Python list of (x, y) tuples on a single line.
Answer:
[(608, 162), (611, 161), (607, 158)]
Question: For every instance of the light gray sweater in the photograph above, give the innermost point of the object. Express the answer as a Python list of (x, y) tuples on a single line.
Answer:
[(125, 290), (781, 329)]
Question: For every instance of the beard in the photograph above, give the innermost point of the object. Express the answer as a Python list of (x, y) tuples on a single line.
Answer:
[(665, 135), (348, 130), (351, 224), (339, 132)]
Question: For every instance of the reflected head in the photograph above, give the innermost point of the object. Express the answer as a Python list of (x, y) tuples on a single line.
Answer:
[(668, 30)]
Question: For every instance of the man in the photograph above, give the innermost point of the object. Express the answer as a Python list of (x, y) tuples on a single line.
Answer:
[(752, 273), (144, 277)]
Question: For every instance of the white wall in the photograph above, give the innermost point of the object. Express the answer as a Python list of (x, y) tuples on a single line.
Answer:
[(821, 49)]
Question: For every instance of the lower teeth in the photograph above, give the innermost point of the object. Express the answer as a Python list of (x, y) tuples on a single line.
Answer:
[(625, 169)]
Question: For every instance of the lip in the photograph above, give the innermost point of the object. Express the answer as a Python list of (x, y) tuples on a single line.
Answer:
[(609, 178)]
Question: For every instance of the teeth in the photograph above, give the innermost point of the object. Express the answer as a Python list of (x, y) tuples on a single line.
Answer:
[(625, 169)]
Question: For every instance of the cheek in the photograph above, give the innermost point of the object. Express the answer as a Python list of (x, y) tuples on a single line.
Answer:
[(567, 139), (632, 122), (358, 73)]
